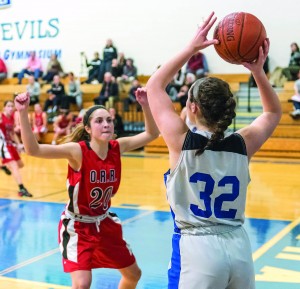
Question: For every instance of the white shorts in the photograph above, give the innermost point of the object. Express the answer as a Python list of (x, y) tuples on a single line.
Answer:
[(213, 261)]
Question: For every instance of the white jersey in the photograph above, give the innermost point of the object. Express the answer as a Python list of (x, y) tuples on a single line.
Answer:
[(209, 189)]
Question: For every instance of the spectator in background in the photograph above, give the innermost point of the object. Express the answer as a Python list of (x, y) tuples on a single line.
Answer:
[(55, 95), (118, 122), (34, 89), (53, 68), (94, 68), (121, 59), (295, 99), (109, 91), (33, 67), (172, 91), (179, 79), (128, 75), (292, 70), (131, 96), (38, 120), (182, 95), (62, 125), (3, 70), (116, 69), (197, 65), (109, 53), (74, 94), (190, 78), (280, 75)]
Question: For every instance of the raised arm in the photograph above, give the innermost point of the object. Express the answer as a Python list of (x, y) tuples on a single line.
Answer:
[(171, 126), (151, 131), (70, 151), (263, 126)]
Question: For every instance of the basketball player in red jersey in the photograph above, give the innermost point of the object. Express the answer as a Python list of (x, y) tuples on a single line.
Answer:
[(9, 146), (39, 121), (89, 235)]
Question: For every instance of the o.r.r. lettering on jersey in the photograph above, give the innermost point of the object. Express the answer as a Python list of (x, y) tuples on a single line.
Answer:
[(102, 176)]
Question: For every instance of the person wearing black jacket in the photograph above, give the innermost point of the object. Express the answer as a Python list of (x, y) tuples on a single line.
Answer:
[(94, 66), (109, 90), (56, 92), (109, 53)]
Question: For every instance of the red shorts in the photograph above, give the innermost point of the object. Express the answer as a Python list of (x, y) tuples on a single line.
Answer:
[(9, 153), (84, 248)]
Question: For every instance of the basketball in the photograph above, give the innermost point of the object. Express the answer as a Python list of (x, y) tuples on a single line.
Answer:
[(240, 35)]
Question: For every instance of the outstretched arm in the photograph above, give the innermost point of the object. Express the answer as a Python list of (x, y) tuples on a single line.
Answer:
[(151, 131), (263, 126), (171, 126), (70, 151)]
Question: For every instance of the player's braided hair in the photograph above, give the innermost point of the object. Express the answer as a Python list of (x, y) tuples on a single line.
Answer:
[(217, 106)]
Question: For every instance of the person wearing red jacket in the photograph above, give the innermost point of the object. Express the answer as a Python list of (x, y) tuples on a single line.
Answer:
[(3, 70), (197, 65)]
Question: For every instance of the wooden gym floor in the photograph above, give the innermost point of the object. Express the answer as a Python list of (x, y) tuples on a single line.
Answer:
[(30, 259)]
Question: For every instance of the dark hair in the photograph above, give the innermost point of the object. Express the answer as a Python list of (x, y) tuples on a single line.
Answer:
[(297, 47), (79, 133), (7, 101), (217, 105)]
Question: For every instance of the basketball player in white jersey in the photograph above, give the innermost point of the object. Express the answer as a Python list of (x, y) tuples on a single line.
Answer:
[(208, 177)]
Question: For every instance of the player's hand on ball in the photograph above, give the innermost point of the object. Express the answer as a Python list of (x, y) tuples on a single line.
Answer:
[(262, 55), (200, 40), (22, 101)]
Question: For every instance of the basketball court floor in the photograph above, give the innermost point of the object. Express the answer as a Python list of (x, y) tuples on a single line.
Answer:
[(29, 255)]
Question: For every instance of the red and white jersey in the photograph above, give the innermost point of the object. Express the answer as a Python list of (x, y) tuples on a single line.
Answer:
[(7, 126), (38, 119), (91, 188), (64, 122)]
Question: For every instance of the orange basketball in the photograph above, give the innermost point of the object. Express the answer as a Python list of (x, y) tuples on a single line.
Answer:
[(240, 35)]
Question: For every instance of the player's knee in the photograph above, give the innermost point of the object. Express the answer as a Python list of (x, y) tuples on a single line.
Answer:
[(136, 275), (82, 284)]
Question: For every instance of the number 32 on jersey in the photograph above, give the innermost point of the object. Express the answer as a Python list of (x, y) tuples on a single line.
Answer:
[(215, 204)]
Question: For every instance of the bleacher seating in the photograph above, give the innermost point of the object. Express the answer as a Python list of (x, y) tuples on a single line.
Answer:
[(285, 141)]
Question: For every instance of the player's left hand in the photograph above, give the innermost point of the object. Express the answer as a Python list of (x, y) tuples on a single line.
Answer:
[(200, 40), (141, 96), (22, 101)]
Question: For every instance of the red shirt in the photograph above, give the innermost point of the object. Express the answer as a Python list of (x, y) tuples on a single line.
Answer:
[(7, 127), (3, 68), (38, 119), (64, 122), (91, 188), (196, 61)]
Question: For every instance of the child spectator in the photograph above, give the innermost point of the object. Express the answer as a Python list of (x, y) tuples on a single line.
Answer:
[(62, 125), (39, 122)]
